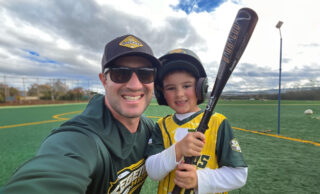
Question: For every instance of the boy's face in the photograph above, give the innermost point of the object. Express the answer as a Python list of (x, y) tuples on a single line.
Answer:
[(180, 93)]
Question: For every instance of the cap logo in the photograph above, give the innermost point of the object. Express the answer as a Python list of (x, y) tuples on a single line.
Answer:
[(178, 51), (131, 42)]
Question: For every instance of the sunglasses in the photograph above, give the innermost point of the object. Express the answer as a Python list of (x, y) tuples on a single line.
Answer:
[(146, 75)]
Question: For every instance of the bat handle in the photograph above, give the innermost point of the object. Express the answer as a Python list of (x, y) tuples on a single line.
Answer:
[(176, 190), (187, 160)]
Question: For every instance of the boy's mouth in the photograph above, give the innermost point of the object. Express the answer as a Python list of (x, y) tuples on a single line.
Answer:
[(181, 102)]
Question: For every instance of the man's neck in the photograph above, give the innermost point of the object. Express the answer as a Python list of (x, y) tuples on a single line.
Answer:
[(131, 124)]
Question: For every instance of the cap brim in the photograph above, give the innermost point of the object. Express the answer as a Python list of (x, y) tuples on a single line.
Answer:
[(155, 62)]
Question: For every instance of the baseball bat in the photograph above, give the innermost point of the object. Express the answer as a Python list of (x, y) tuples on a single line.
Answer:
[(237, 41)]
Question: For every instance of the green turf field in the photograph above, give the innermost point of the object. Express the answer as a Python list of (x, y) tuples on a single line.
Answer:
[(288, 163)]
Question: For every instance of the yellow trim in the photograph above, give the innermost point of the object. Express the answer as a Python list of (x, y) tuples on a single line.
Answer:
[(279, 136), (154, 117), (68, 113), (41, 105), (155, 104), (26, 124), (58, 118), (265, 104)]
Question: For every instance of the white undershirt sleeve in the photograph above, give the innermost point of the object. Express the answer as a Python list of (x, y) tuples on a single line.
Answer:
[(159, 165), (221, 179)]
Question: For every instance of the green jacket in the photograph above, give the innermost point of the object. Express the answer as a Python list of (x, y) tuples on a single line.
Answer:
[(91, 153)]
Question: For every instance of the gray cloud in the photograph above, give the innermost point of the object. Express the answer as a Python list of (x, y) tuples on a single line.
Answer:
[(255, 77), (310, 45), (88, 27), (286, 60), (177, 33), (85, 23)]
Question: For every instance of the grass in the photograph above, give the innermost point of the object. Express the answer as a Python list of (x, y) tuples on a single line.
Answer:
[(275, 165)]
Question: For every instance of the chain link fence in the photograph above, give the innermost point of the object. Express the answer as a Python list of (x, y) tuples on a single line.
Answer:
[(20, 89)]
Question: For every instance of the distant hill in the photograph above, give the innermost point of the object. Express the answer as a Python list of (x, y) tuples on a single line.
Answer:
[(307, 93)]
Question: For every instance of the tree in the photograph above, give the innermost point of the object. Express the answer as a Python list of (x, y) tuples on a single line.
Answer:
[(3, 88), (59, 89), (44, 91), (34, 90), (7, 91), (14, 92), (74, 94)]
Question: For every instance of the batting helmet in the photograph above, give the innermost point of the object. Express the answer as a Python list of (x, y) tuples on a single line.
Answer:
[(181, 59)]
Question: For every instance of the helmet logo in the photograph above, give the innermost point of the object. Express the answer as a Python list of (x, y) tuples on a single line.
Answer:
[(178, 51), (131, 42)]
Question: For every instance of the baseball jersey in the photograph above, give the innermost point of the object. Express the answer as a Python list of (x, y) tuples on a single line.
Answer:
[(220, 149), (91, 153)]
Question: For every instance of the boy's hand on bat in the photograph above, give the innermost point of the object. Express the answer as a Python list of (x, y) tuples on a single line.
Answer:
[(186, 176), (190, 145)]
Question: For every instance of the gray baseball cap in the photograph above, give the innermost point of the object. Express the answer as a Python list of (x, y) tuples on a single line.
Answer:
[(127, 45)]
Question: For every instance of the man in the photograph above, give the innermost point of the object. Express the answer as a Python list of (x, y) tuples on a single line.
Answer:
[(101, 150)]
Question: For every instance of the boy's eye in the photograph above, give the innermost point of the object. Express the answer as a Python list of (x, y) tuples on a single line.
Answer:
[(170, 88), (187, 86)]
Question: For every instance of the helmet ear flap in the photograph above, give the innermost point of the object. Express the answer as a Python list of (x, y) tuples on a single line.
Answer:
[(159, 95), (201, 89)]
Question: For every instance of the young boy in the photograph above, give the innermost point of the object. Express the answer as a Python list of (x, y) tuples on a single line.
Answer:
[(219, 165)]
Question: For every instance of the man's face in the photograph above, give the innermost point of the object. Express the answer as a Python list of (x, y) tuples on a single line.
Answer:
[(129, 99)]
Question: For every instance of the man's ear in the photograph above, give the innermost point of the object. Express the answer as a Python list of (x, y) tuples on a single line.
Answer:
[(102, 79)]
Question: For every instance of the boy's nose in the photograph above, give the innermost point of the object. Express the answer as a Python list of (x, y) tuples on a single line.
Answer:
[(179, 92)]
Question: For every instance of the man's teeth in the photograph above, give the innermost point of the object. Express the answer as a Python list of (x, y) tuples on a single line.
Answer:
[(132, 97)]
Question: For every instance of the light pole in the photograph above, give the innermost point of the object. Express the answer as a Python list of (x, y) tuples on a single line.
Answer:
[(279, 24)]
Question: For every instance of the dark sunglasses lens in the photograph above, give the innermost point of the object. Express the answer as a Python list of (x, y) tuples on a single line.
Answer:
[(146, 76), (120, 75), (123, 75)]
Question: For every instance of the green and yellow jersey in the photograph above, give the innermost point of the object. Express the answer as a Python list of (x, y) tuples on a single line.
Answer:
[(221, 148)]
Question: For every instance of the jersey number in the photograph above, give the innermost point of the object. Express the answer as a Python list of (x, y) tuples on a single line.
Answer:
[(203, 161)]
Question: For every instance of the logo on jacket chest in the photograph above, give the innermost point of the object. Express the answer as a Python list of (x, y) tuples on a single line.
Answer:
[(129, 179)]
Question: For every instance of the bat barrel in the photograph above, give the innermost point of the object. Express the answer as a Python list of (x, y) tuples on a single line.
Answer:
[(237, 41)]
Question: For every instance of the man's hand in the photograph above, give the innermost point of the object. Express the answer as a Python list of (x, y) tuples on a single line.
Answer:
[(186, 176), (190, 145)]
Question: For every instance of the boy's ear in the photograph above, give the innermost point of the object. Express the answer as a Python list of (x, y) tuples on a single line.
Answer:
[(201, 89)]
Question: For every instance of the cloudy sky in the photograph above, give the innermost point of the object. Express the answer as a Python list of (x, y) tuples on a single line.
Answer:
[(65, 38)]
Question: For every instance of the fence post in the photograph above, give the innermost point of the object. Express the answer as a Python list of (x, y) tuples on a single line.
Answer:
[(24, 88), (5, 88), (52, 96), (38, 91)]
